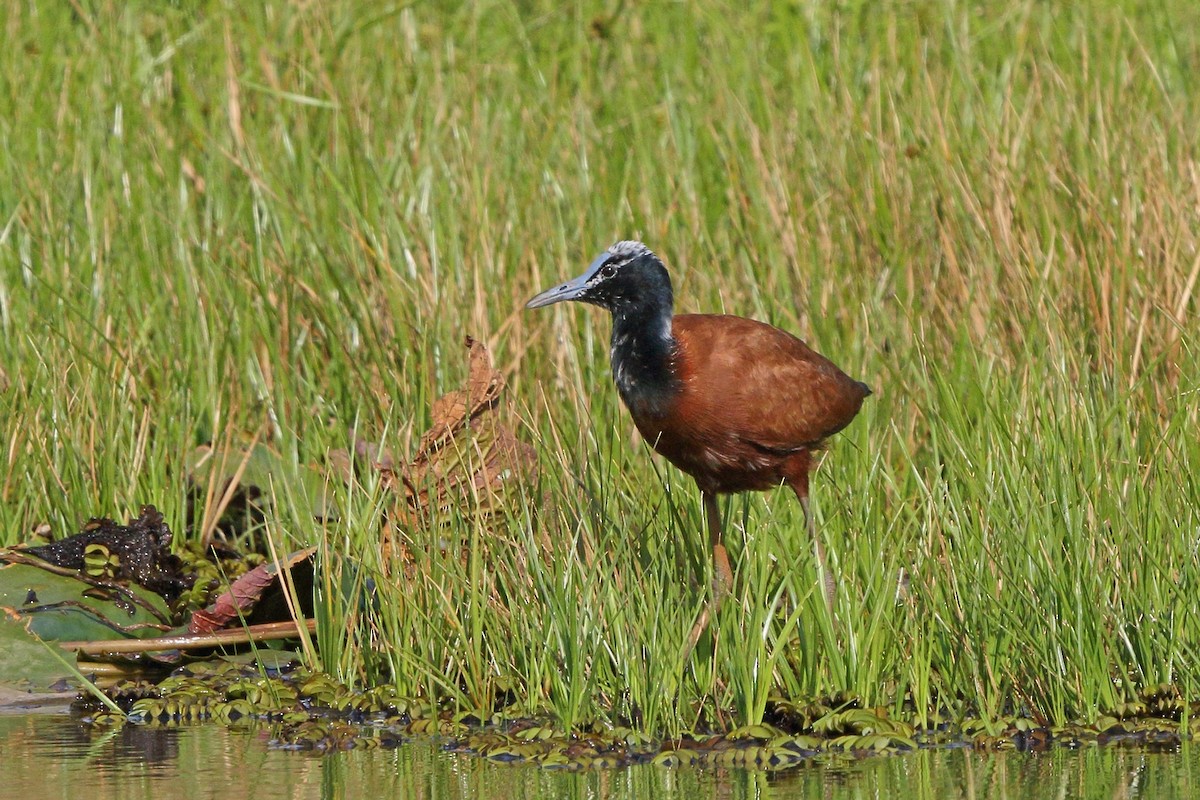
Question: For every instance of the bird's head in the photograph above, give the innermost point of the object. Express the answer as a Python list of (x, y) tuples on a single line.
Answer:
[(625, 276)]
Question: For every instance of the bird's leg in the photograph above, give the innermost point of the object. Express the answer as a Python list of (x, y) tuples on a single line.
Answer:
[(722, 572), (828, 584), (798, 481)]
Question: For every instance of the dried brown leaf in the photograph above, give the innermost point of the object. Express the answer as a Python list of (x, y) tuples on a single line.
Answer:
[(469, 461)]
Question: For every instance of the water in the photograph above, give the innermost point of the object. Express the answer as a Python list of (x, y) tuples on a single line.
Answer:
[(52, 756)]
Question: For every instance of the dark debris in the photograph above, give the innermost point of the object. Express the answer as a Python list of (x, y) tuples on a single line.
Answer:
[(141, 552)]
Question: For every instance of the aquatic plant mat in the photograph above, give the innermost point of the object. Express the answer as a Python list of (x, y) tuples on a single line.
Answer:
[(242, 247), (304, 710)]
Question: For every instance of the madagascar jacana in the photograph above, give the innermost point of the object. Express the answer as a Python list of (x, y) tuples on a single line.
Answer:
[(739, 405)]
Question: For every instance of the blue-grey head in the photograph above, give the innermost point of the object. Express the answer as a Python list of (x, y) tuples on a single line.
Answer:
[(626, 278)]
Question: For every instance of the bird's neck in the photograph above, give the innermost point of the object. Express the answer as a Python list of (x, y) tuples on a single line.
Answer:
[(643, 358)]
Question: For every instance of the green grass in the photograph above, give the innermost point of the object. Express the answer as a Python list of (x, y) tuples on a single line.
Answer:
[(220, 221)]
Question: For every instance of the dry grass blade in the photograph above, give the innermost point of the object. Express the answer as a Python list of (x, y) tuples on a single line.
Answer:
[(252, 633)]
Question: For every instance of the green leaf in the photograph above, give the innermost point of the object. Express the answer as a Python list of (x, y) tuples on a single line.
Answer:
[(25, 665), (65, 608)]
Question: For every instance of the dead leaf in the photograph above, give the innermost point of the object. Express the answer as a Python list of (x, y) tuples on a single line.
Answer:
[(243, 594), (468, 461)]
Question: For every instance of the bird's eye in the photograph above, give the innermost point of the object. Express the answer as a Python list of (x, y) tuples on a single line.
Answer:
[(607, 271)]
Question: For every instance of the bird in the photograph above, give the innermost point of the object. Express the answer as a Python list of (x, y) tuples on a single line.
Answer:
[(737, 404)]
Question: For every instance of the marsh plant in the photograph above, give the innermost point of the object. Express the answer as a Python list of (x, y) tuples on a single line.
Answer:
[(227, 221)]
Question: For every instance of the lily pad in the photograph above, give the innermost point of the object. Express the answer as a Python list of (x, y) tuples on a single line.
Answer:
[(39, 606), (232, 487)]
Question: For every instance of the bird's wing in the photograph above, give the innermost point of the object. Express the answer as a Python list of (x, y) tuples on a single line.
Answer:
[(760, 384)]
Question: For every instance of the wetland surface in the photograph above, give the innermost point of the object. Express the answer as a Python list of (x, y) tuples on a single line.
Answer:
[(54, 756)]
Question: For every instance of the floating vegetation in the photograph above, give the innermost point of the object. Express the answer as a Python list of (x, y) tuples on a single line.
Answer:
[(312, 711)]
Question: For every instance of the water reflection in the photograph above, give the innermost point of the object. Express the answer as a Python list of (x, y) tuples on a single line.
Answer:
[(128, 747), (55, 757)]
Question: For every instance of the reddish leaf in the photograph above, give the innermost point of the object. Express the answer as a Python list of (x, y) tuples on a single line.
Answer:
[(242, 594)]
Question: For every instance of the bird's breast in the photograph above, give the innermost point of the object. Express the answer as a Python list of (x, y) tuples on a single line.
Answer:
[(643, 369)]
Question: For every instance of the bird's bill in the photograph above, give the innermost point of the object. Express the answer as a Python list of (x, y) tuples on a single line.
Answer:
[(572, 289), (568, 291)]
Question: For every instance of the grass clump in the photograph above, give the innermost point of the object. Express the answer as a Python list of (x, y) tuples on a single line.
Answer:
[(222, 222)]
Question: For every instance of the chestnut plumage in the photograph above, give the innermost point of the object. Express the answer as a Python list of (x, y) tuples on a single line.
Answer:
[(737, 404)]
